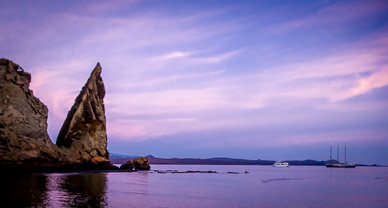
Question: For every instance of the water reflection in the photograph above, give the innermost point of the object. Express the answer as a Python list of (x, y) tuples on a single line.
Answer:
[(129, 189), (77, 190), (262, 187), (23, 191), (54, 190)]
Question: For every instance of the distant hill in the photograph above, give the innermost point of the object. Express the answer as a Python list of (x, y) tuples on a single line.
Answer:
[(121, 159)]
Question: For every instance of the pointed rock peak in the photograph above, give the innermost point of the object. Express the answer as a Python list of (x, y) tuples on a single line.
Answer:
[(97, 66), (95, 83), (96, 71), (84, 130)]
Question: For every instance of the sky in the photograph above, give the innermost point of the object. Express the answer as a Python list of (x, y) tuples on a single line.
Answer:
[(275, 80)]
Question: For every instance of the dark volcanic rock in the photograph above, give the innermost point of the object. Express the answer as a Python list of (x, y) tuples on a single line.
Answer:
[(129, 165), (141, 163), (24, 142), (23, 119), (84, 130)]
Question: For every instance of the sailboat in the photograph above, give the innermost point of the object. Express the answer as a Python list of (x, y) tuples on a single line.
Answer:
[(336, 164)]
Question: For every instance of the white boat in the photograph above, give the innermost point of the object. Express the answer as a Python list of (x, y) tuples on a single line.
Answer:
[(281, 164)]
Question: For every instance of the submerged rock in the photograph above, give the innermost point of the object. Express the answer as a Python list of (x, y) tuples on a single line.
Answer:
[(84, 130), (141, 163), (23, 119)]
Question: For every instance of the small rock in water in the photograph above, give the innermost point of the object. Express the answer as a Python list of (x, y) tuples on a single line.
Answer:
[(233, 172), (129, 165), (141, 163)]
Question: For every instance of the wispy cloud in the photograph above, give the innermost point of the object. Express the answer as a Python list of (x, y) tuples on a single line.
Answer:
[(376, 79), (175, 54), (216, 58), (332, 15)]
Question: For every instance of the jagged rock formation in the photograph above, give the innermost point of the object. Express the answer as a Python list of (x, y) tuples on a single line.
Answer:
[(24, 141), (84, 130), (23, 119)]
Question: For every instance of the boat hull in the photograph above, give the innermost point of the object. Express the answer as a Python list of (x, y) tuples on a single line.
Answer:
[(280, 164), (340, 165)]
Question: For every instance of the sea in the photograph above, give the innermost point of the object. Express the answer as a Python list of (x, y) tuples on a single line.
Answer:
[(187, 186)]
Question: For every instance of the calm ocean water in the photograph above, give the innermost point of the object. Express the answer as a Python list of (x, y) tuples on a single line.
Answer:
[(263, 186)]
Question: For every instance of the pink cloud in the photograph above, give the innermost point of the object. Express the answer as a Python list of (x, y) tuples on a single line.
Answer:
[(377, 79)]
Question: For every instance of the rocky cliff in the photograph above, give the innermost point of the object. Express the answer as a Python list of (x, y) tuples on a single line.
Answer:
[(24, 140), (23, 119), (84, 130)]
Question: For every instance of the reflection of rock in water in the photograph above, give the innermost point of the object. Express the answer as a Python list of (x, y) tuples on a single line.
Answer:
[(85, 190), (54, 190), (23, 191)]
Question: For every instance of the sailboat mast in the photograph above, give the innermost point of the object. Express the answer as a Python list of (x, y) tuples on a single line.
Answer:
[(330, 153), (337, 153), (345, 153)]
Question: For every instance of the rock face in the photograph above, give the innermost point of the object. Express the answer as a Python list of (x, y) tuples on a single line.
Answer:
[(23, 119), (141, 163), (84, 130), (24, 141)]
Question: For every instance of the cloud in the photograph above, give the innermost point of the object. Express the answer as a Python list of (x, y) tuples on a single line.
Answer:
[(144, 129), (217, 58), (332, 78), (332, 15), (375, 80), (106, 7), (318, 83), (175, 54), (197, 57)]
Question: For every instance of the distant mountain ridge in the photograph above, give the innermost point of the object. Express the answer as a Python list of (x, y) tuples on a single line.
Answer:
[(121, 159)]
